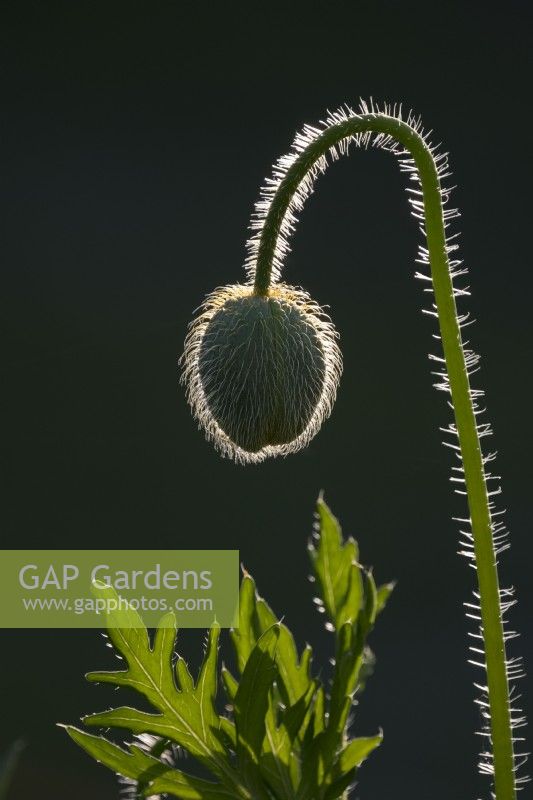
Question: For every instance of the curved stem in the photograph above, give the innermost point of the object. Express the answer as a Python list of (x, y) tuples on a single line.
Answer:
[(474, 475)]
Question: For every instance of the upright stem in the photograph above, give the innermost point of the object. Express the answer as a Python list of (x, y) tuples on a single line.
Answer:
[(474, 475)]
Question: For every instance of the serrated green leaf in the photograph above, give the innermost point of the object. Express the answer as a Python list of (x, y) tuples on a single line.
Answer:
[(353, 599), (384, 592), (251, 700), (230, 683), (256, 617), (251, 707), (336, 570), (357, 751), (276, 755), (152, 775), (244, 637), (351, 649), (369, 611), (294, 672), (134, 721), (344, 771), (279, 761), (264, 616), (187, 716), (111, 755), (347, 666), (185, 679)]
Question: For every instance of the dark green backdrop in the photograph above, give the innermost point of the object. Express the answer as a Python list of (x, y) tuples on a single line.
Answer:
[(134, 137)]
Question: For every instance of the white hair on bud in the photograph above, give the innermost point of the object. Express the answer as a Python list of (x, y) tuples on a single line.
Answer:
[(326, 336)]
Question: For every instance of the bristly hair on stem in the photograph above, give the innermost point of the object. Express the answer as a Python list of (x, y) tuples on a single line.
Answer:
[(483, 534)]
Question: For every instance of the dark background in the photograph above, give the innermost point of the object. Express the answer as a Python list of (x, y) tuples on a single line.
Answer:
[(134, 137)]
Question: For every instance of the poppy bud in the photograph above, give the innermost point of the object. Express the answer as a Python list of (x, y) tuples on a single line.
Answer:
[(261, 371)]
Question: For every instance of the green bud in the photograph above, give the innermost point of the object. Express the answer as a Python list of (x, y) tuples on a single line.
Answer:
[(261, 371)]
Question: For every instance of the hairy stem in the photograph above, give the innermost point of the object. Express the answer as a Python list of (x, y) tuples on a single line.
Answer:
[(474, 475)]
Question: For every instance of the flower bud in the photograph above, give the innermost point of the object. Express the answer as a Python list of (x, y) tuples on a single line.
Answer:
[(261, 371)]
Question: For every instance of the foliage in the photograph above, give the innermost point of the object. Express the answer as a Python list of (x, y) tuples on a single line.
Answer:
[(285, 734)]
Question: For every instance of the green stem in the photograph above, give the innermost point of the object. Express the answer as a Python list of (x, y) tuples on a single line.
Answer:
[(474, 475)]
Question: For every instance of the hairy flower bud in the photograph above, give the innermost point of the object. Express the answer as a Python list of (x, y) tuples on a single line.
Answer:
[(261, 372)]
